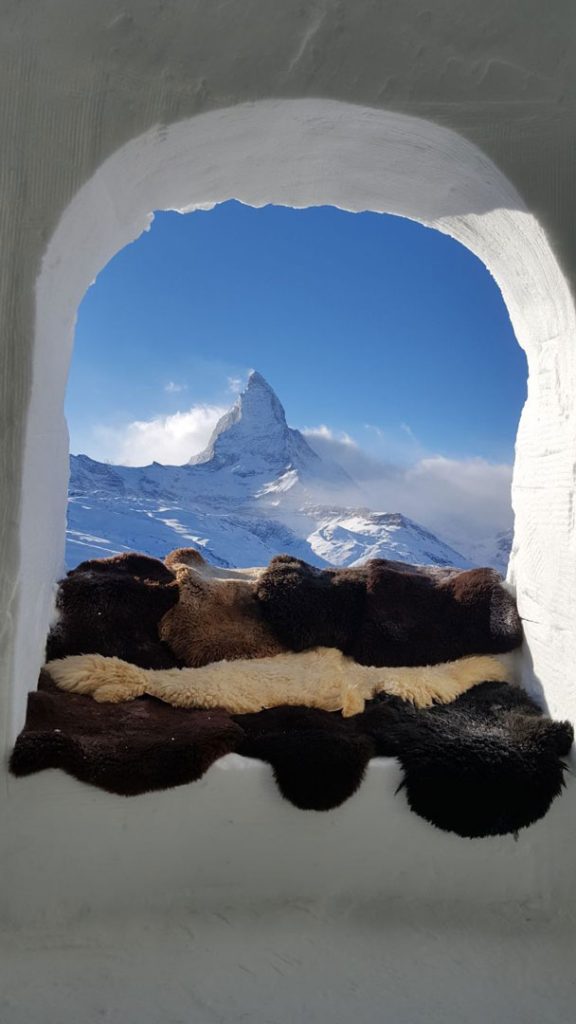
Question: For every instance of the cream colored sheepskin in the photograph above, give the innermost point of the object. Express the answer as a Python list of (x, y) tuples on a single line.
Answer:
[(322, 678)]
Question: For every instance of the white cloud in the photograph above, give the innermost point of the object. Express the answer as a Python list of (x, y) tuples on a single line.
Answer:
[(324, 433), (172, 387), (171, 440), (465, 499), (462, 500), (342, 448), (396, 444)]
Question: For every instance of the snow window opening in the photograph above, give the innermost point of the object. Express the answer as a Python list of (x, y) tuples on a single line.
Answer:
[(217, 652), (478, 228)]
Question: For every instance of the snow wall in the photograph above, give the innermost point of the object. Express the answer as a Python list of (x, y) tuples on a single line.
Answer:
[(459, 115)]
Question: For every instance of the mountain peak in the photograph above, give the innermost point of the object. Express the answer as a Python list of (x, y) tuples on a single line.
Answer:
[(256, 379), (259, 406), (253, 440), (255, 428), (255, 423)]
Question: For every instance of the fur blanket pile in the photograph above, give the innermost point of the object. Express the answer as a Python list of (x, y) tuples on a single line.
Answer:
[(488, 764), (235, 641)]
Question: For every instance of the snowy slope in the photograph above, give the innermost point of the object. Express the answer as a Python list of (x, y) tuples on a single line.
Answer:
[(349, 537), (493, 551), (258, 489)]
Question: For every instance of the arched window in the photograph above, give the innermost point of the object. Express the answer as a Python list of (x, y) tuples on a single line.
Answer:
[(385, 343), (306, 153)]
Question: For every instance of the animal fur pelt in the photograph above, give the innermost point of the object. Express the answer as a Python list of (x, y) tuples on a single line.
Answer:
[(388, 613), (488, 764), (215, 619), (323, 678), (128, 750), (113, 606), (319, 759)]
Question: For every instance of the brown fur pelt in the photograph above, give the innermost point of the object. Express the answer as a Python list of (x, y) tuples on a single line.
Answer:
[(112, 606), (215, 619), (389, 613), (126, 749), (323, 678)]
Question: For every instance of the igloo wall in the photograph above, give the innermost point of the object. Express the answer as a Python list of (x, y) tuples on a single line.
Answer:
[(460, 115)]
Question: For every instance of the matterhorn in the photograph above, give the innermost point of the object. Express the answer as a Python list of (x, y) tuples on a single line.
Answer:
[(257, 490)]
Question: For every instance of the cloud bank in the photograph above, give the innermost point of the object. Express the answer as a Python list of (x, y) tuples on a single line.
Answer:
[(171, 440), (463, 500)]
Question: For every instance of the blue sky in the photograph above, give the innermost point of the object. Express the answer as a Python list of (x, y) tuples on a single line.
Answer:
[(371, 327)]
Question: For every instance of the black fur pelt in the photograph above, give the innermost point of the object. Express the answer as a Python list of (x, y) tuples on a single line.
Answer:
[(112, 606), (489, 763), (389, 613), (318, 758)]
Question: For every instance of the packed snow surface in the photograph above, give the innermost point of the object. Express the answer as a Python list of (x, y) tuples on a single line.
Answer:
[(257, 490)]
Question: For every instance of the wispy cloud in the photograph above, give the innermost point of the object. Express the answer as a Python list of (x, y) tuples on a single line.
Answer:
[(463, 500), (324, 433), (397, 444), (173, 388), (171, 440), (408, 430)]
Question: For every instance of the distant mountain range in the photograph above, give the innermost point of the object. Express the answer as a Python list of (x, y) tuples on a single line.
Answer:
[(257, 490)]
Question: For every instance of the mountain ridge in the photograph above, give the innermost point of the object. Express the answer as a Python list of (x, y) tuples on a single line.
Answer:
[(257, 489)]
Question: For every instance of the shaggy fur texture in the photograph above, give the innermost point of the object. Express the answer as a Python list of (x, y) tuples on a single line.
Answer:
[(113, 606), (131, 749), (388, 613), (488, 764), (323, 678), (216, 620), (319, 759), (158, 616)]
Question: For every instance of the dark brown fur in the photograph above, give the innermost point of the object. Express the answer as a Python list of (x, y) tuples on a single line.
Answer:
[(126, 749), (388, 613), (112, 606)]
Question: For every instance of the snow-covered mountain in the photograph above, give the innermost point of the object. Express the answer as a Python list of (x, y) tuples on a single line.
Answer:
[(253, 440), (494, 551), (258, 489)]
